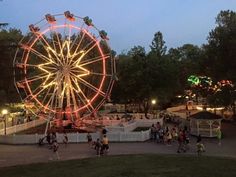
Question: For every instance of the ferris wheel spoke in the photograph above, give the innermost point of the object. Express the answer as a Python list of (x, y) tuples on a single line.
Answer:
[(60, 46), (36, 94), (58, 41), (92, 87), (69, 45), (81, 39), (40, 55), (54, 49), (100, 74), (53, 42), (94, 60), (89, 49), (55, 53), (46, 95), (80, 73), (48, 46), (84, 52), (49, 75), (81, 95), (74, 41), (61, 96), (43, 87), (35, 78), (76, 52), (52, 98), (35, 90), (75, 105), (69, 37), (37, 66), (88, 101)]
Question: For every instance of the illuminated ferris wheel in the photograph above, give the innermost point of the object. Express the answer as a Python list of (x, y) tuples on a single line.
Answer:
[(64, 66)]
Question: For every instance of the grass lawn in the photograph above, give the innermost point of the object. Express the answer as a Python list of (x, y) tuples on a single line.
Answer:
[(129, 166)]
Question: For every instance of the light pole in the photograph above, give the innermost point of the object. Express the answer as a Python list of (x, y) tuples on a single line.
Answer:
[(153, 101), (4, 113)]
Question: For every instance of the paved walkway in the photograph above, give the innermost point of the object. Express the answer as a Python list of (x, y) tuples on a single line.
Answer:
[(25, 154)]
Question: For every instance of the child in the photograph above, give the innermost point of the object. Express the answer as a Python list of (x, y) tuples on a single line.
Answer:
[(200, 148), (55, 147), (98, 146)]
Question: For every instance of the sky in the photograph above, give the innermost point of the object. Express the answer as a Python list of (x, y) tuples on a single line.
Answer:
[(128, 22)]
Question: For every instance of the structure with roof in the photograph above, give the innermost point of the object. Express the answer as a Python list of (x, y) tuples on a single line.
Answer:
[(205, 124)]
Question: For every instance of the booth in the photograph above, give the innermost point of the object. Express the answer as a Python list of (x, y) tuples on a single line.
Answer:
[(205, 123)]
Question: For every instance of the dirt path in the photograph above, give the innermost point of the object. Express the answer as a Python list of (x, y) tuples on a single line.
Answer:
[(25, 154)]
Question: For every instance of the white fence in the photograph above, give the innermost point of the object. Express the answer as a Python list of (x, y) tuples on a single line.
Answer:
[(78, 137), (174, 110), (131, 125), (21, 127), (134, 115)]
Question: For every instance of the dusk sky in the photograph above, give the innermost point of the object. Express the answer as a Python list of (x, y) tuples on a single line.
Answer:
[(127, 22)]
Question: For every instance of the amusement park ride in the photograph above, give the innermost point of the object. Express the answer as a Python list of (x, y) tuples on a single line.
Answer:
[(64, 68)]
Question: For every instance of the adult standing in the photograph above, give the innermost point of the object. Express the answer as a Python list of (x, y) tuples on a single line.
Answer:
[(219, 135), (89, 138), (65, 138), (105, 145)]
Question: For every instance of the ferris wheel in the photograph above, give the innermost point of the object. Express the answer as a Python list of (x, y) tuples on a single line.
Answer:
[(64, 66)]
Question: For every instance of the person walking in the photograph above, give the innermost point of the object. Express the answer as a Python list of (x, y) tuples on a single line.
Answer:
[(153, 132), (89, 139), (54, 136), (105, 145), (48, 138), (98, 146), (199, 138), (181, 142), (219, 135), (65, 138), (55, 147), (200, 146)]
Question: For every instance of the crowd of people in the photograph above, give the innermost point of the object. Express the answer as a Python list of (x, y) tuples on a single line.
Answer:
[(101, 145), (167, 136)]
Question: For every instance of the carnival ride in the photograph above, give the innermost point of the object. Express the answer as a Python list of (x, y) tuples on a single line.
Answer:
[(64, 68)]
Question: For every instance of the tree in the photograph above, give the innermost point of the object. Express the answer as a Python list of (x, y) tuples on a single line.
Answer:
[(225, 97), (220, 58), (158, 47), (3, 25), (8, 43)]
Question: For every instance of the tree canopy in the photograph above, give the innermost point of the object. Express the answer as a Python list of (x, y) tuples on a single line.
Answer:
[(156, 73)]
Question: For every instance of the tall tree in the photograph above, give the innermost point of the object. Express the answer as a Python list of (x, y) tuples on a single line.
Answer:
[(8, 43), (158, 46), (188, 57), (221, 48)]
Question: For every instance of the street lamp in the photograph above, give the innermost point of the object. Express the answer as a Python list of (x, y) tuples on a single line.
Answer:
[(153, 101), (4, 113)]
